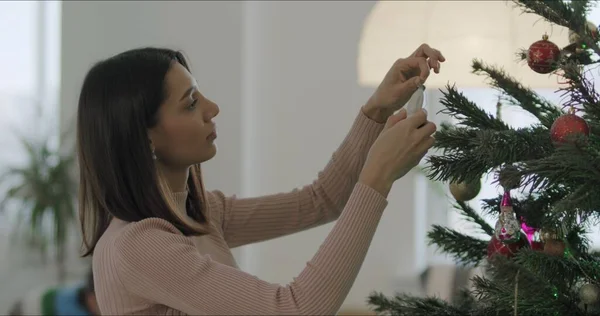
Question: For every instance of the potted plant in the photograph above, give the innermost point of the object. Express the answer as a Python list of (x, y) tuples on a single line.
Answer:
[(41, 192)]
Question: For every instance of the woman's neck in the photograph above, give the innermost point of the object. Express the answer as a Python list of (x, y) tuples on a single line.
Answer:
[(175, 177)]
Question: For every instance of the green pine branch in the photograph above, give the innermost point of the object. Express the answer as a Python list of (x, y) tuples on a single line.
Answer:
[(404, 304), (584, 199), (567, 272), (454, 138), (578, 243), (572, 164), (533, 298), (535, 209), (517, 94), (483, 150), (535, 295), (581, 92), (468, 113), (465, 249), (471, 215), (590, 269), (563, 274)]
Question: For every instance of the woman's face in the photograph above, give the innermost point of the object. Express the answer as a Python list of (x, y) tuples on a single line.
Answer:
[(185, 133)]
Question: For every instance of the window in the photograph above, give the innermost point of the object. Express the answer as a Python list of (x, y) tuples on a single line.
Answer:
[(29, 83), (29, 80)]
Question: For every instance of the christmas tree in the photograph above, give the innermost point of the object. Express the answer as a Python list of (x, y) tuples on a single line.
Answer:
[(537, 260)]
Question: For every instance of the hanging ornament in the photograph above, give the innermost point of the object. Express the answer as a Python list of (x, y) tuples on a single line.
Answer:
[(532, 233), (543, 56), (508, 229), (537, 246), (497, 247), (554, 247), (589, 294), (535, 239), (465, 191), (568, 126), (592, 29), (547, 234)]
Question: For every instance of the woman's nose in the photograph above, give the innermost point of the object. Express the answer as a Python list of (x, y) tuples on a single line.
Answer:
[(213, 110)]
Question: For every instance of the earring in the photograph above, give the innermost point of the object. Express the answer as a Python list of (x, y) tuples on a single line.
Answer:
[(153, 154)]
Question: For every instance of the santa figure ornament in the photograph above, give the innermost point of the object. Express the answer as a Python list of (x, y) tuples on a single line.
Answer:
[(508, 229), (497, 247), (507, 238)]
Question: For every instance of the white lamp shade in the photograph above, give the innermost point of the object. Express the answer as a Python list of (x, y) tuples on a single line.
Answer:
[(493, 31)]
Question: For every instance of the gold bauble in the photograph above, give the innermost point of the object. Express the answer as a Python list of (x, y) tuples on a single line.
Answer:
[(589, 294), (548, 234), (465, 191)]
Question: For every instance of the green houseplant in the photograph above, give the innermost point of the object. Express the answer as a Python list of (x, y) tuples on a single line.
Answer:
[(41, 192)]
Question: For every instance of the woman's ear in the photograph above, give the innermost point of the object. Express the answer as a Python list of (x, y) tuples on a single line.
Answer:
[(151, 136)]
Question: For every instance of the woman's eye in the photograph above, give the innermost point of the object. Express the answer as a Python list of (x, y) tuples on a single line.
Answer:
[(193, 105)]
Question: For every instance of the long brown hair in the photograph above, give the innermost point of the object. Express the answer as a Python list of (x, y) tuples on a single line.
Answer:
[(118, 103)]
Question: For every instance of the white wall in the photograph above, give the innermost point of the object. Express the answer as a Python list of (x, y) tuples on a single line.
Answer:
[(209, 32), (284, 75)]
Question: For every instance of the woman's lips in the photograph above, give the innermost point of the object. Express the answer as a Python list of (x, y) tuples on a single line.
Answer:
[(212, 136)]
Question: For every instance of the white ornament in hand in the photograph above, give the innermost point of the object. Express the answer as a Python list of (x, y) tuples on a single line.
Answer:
[(416, 101)]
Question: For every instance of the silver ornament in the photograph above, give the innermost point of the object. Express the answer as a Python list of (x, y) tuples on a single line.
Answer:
[(507, 227)]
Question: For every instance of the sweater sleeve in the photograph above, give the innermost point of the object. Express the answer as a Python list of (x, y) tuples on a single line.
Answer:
[(156, 263), (249, 220)]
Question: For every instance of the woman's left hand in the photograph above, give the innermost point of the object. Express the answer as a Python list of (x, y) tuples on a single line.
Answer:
[(401, 81)]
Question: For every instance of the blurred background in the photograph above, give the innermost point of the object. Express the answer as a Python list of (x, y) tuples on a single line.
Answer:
[(289, 77)]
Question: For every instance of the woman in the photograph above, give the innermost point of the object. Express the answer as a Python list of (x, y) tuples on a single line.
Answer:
[(161, 243)]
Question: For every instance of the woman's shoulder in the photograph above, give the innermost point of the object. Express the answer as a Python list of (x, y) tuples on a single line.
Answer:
[(148, 226), (124, 240)]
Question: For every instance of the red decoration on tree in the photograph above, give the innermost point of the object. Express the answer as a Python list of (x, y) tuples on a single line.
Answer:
[(567, 126), (543, 55), (537, 245), (496, 246)]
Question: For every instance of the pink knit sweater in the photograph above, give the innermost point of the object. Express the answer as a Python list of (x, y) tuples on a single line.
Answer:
[(150, 268)]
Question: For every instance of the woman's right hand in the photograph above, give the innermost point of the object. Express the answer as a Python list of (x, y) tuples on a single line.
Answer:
[(399, 148)]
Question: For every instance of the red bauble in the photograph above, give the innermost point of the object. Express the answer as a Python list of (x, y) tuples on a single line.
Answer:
[(537, 245), (567, 126), (495, 246), (543, 55)]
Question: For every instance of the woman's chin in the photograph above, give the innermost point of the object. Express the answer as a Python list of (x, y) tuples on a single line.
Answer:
[(210, 152)]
